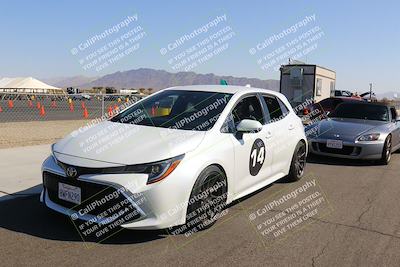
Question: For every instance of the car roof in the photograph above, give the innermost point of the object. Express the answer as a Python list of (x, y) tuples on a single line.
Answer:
[(226, 89)]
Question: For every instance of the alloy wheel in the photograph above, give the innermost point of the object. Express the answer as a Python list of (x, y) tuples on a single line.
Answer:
[(300, 161)]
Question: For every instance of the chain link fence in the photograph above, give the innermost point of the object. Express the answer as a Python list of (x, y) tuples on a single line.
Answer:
[(32, 119), (17, 107)]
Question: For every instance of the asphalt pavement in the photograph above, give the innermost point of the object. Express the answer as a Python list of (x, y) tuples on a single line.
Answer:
[(358, 226)]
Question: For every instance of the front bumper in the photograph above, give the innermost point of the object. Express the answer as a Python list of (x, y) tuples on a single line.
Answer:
[(350, 150), (155, 206)]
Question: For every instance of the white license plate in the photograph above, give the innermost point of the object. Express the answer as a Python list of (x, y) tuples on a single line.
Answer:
[(69, 193), (334, 144)]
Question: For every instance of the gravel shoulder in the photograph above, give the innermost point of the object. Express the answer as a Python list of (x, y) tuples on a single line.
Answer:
[(14, 134)]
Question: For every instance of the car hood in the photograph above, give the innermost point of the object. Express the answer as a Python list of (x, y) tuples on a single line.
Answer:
[(346, 127), (115, 143)]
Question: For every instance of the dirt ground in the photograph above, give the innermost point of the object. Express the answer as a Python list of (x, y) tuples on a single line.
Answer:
[(13, 134)]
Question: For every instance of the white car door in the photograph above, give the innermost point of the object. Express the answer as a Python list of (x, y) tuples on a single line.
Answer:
[(281, 128), (253, 156)]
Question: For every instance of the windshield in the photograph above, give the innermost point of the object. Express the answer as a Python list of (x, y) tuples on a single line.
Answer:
[(177, 109), (361, 111)]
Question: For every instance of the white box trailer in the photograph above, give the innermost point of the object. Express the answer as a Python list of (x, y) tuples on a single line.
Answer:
[(302, 83)]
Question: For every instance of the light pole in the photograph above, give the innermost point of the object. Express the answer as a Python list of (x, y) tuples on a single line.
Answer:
[(370, 92)]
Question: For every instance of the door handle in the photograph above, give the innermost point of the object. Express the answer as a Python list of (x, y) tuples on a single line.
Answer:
[(291, 127)]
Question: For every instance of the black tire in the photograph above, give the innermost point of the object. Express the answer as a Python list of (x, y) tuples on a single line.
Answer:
[(386, 151), (298, 163), (207, 200)]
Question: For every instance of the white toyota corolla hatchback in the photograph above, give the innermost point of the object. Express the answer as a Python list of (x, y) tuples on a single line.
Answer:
[(175, 158)]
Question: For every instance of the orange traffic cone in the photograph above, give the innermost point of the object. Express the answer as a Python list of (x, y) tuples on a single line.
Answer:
[(83, 104), (71, 107), (116, 107), (42, 111), (38, 105), (10, 103), (1, 110), (85, 113), (30, 103), (110, 111)]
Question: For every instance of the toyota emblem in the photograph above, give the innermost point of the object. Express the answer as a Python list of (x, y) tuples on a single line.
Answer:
[(71, 172)]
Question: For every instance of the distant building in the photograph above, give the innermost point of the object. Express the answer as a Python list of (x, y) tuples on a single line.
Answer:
[(304, 82), (73, 90), (111, 90), (128, 91)]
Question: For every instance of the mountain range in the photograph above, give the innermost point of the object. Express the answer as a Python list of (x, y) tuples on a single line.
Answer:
[(156, 79), (64, 82)]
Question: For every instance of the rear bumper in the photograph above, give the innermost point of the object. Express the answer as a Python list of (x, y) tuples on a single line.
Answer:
[(351, 150)]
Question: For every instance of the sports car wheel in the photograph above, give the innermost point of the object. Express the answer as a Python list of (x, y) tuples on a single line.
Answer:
[(207, 200), (387, 151), (298, 164)]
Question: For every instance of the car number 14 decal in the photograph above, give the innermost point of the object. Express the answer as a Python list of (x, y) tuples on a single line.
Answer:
[(257, 156)]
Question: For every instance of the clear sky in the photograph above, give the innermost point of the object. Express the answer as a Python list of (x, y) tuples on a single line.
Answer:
[(360, 38)]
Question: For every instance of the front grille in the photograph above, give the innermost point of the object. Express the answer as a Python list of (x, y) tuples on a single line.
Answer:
[(90, 193), (346, 150), (86, 170)]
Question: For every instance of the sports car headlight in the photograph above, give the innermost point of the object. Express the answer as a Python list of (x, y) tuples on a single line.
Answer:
[(52, 151), (369, 137)]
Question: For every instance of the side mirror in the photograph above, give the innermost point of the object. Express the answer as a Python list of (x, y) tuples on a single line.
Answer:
[(248, 126)]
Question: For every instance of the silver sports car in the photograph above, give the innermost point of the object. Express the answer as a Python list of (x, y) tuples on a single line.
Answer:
[(357, 130)]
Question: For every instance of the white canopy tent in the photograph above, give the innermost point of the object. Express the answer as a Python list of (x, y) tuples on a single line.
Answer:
[(27, 85)]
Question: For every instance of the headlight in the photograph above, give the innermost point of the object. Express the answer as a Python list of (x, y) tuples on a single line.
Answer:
[(157, 171), (369, 137), (160, 170)]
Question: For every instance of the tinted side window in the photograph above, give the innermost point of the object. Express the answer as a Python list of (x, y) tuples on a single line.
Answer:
[(394, 113), (248, 108), (274, 108), (327, 103), (336, 102), (284, 108)]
